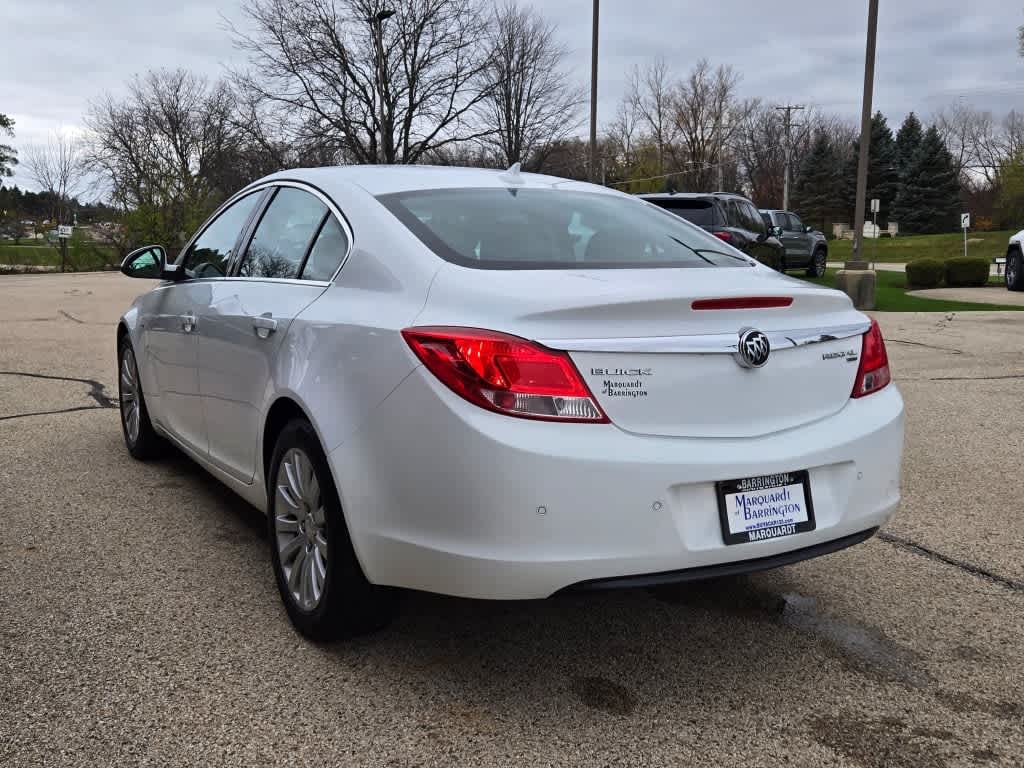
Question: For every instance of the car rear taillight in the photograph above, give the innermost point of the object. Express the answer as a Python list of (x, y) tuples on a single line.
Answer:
[(725, 236), (505, 374), (873, 372)]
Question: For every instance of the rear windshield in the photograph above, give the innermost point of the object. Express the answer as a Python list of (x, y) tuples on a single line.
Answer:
[(699, 212), (554, 229)]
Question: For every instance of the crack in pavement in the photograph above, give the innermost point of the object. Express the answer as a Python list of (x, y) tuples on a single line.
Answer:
[(62, 410), (69, 316), (975, 570), (97, 391), (976, 378), (927, 346)]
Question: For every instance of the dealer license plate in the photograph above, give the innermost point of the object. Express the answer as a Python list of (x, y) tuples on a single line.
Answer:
[(765, 507)]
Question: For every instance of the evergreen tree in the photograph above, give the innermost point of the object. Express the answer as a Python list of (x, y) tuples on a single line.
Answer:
[(883, 174), (8, 154), (816, 196), (929, 198), (908, 139)]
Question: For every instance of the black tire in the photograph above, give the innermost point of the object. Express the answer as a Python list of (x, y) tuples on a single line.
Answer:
[(143, 442), (348, 604), (1014, 273), (819, 262)]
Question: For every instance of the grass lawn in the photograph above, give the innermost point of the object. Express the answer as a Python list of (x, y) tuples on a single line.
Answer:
[(915, 246), (49, 255), (891, 296)]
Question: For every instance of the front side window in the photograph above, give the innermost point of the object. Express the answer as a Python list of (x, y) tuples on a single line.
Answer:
[(283, 235), (553, 229), (795, 224), (210, 254)]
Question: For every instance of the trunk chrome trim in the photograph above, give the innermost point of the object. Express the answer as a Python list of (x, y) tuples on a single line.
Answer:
[(718, 343)]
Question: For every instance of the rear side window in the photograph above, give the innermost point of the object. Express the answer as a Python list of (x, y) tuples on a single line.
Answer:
[(328, 250), (496, 228), (283, 235), (699, 212)]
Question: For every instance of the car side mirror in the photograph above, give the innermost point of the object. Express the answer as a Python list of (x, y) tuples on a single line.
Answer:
[(150, 262), (775, 231), (808, 230)]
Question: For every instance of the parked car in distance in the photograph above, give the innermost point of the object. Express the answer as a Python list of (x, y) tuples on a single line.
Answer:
[(1015, 263), (731, 218), (806, 248), (502, 386)]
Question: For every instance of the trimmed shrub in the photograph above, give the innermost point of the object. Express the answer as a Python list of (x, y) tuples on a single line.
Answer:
[(924, 273), (967, 271)]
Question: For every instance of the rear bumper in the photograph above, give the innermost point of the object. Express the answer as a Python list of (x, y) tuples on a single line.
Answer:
[(724, 569), (445, 497)]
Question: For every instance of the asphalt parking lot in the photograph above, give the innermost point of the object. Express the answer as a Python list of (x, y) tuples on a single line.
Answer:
[(139, 622)]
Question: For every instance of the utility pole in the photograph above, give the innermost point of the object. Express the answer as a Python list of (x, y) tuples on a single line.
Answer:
[(855, 278), (719, 149), (788, 109), (865, 138), (593, 95)]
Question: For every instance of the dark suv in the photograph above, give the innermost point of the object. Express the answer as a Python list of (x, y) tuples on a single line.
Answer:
[(731, 218), (805, 247)]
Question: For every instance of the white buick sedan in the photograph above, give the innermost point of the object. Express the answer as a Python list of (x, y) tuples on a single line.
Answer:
[(503, 385)]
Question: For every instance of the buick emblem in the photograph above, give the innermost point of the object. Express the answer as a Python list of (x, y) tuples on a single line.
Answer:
[(753, 349)]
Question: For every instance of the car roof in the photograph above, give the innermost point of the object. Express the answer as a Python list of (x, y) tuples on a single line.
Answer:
[(387, 179), (689, 195)]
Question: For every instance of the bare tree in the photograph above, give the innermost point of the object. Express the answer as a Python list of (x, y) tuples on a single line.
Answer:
[(650, 97), (58, 167), (169, 152), (979, 144), (530, 103), (707, 114), (346, 78)]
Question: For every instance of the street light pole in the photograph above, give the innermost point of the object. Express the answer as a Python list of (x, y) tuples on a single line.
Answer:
[(593, 95), (377, 30), (865, 139)]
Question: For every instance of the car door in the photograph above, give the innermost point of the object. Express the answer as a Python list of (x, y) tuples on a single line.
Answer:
[(288, 261), (796, 241), (171, 327)]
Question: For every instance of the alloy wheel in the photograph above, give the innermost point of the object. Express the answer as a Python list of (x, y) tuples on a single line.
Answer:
[(820, 264), (130, 405), (300, 526), (1011, 271)]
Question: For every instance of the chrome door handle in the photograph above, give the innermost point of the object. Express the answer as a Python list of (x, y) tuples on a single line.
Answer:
[(264, 326), (188, 323)]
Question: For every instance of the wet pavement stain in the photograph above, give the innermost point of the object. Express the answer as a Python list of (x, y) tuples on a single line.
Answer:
[(964, 703), (864, 650), (604, 695), (884, 743)]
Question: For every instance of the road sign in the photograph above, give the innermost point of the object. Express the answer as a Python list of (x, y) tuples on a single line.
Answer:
[(876, 205), (965, 220), (64, 231)]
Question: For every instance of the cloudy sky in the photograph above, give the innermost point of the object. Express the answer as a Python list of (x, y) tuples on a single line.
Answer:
[(60, 54)]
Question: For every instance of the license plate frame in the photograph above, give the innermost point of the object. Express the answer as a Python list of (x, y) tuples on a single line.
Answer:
[(765, 484)]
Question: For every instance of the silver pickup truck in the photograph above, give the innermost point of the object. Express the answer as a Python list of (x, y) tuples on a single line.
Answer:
[(805, 248)]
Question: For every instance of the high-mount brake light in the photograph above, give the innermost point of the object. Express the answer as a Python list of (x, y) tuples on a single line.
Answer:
[(743, 302), (506, 374), (724, 236), (873, 371)]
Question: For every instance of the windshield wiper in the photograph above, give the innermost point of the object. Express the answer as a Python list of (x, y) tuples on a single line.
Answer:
[(694, 251)]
